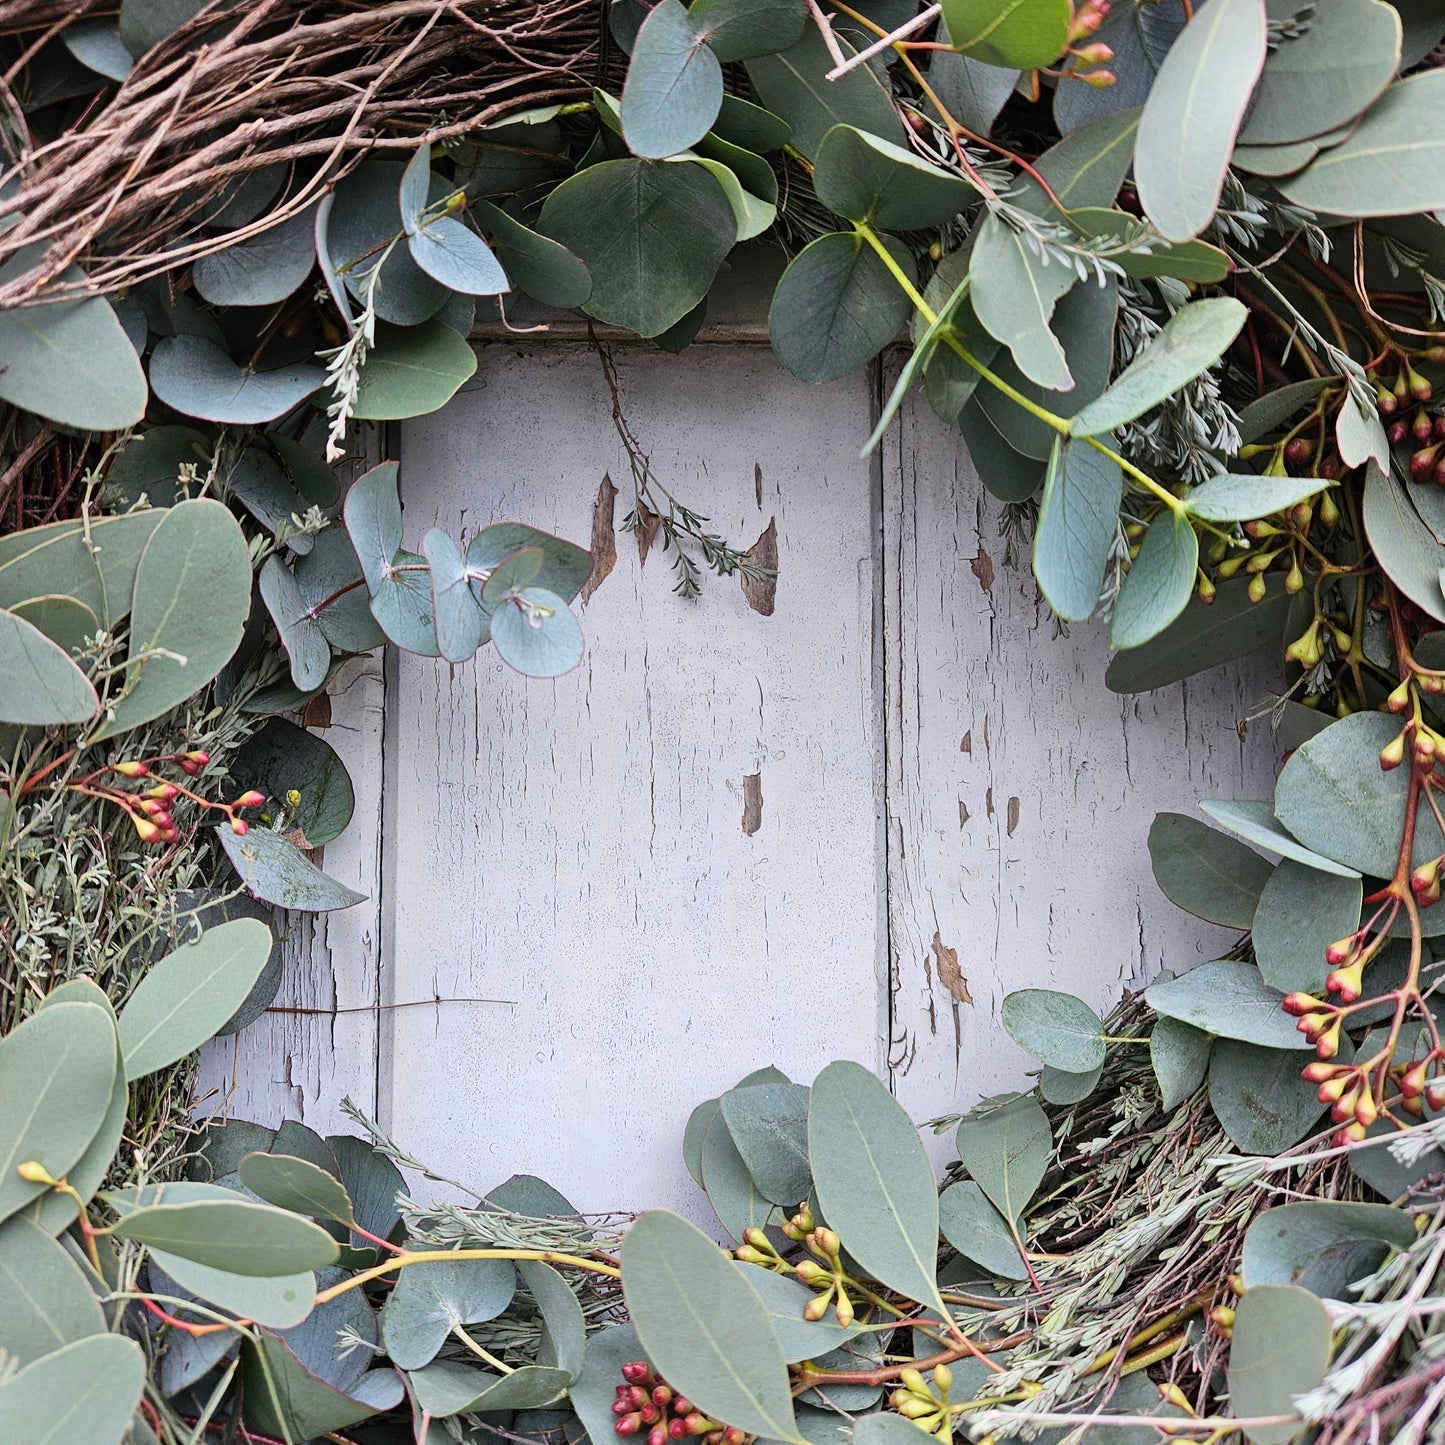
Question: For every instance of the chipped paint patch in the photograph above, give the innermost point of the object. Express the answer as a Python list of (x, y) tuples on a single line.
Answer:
[(752, 803), (763, 553), (604, 539)]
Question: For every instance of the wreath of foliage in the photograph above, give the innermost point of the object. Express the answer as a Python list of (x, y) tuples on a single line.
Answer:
[(1176, 272)]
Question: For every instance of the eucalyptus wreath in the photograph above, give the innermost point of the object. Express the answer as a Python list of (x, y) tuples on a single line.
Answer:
[(1174, 270)]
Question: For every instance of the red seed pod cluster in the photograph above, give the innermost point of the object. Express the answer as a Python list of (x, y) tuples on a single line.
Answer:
[(647, 1403)]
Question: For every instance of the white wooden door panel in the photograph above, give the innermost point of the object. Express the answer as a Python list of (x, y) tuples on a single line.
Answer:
[(577, 849)]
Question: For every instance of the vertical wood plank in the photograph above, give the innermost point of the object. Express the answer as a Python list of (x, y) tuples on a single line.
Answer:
[(664, 869), (1020, 790)]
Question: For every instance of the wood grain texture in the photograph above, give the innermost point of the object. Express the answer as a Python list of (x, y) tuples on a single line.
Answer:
[(1020, 790), (579, 850)]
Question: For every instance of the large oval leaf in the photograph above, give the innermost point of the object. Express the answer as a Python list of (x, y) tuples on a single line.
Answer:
[(1014, 294), (1404, 546), (69, 361), (261, 270), (537, 634), (1159, 583), (412, 371), (769, 1126), (837, 306), (307, 649), (978, 1231), (544, 270), (42, 685), (1056, 1028), (1254, 820), (1322, 1245), (704, 1327), (461, 624), (1393, 164), (190, 994), (1335, 798), (1228, 999), (57, 1070), (48, 1301), (1078, 521), (874, 1183), (1301, 912), (452, 253), (674, 84), (283, 759), (1005, 1145), (1280, 1349), (744, 29), (652, 234), (1193, 113), (1205, 873), (1259, 1098), (197, 378), (785, 1299), (865, 178), (192, 596), (277, 1301), (432, 1298), (86, 1391), (1325, 74)]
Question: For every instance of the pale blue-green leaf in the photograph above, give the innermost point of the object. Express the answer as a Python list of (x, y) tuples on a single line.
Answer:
[(92, 559), (564, 571), (769, 1126), (1202, 871), (1179, 1053), (431, 1299), (307, 648), (1279, 1350), (412, 371), (1322, 1245), (190, 994), (450, 1388), (745, 29), (564, 1337), (1083, 170), (1230, 1000), (402, 605), (864, 178), (674, 84), (1241, 497), (57, 1071), (263, 269), (1393, 164), (97, 44), (1192, 340), (274, 871), (1301, 912), (1005, 1145), (86, 1391), (1159, 582), (785, 1299), (1078, 521), (873, 1180), (1404, 546), (192, 597), (1334, 797), (974, 93), (48, 1302), (704, 1328), (259, 484), (1056, 1028), (461, 624), (1193, 114), (1326, 74), (1254, 821), (43, 687), (278, 1301), (327, 578), (297, 1185), (1014, 294), (543, 269), (535, 633), (197, 378), (1259, 1098), (978, 1231), (1360, 434), (450, 252), (751, 214), (373, 520)]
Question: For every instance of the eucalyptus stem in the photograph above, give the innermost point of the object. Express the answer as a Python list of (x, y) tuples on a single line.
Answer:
[(432, 1256)]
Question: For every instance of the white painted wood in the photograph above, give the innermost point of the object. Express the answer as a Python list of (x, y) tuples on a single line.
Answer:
[(575, 849), (1020, 790)]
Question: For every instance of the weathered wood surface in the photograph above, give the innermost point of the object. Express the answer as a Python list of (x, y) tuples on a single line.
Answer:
[(843, 830)]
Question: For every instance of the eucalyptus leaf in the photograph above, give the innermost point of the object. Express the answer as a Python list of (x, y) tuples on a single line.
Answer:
[(703, 1327), (446, 1388), (1259, 1098), (1024, 34), (1325, 75), (197, 378), (453, 254), (57, 1069), (192, 596), (297, 1185), (744, 29), (974, 92), (741, 123), (402, 604), (1192, 340), (785, 1299), (1301, 912), (290, 1402), (565, 567), (793, 85), (87, 1390), (539, 266), (535, 633), (730, 1189), (413, 371), (274, 871), (1008, 475), (149, 465), (259, 484), (42, 685), (1005, 1145), (307, 650), (1280, 1349), (1322, 1245), (1140, 36), (1059, 1086), (48, 1301), (1228, 999), (261, 270), (864, 178), (1159, 582), (1193, 114), (431, 1299), (1014, 294), (978, 1231), (564, 1339), (461, 624), (873, 1181), (1234, 497), (1205, 873), (1392, 165), (277, 1301), (1078, 521), (282, 759), (190, 994), (1056, 1028), (837, 306), (1205, 635), (1404, 546), (674, 84), (1179, 1054), (652, 235), (1333, 796), (68, 361), (327, 579), (769, 1126), (1255, 822)]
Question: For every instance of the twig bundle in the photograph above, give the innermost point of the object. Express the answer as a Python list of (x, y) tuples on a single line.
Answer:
[(313, 85)]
